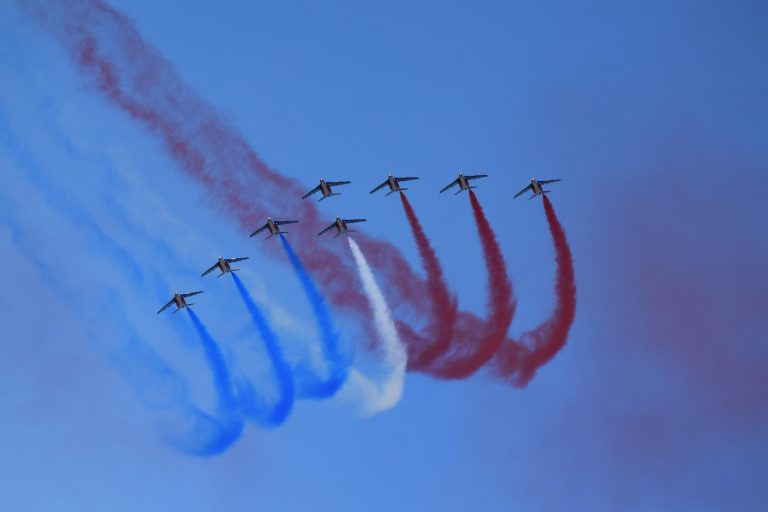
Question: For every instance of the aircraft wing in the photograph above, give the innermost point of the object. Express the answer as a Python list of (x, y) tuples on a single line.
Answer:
[(379, 187), (210, 269), (407, 178), (352, 221), (337, 183), (544, 182), (522, 192), (452, 184), (316, 189), (327, 229), (282, 222), (262, 228), (232, 260), (185, 295), (165, 307), (476, 176)]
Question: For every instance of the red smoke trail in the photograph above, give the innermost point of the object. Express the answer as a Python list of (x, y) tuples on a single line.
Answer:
[(475, 341), (518, 362), (444, 304), (132, 75)]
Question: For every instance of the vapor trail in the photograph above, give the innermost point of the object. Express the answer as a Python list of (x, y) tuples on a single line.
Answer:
[(518, 361), (444, 304), (309, 384), (386, 395), (252, 405)]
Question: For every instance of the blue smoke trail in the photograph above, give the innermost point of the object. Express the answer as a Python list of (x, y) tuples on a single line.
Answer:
[(310, 385), (225, 430), (158, 385), (275, 415)]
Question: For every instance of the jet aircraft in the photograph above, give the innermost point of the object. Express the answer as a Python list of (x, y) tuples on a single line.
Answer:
[(536, 188), (341, 226), (463, 182), (274, 227), (180, 299), (224, 265), (393, 183), (325, 188)]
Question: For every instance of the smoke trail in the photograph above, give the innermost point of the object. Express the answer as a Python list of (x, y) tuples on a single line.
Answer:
[(132, 75), (220, 433), (385, 396), (518, 362), (308, 382), (475, 341), (155, 383), (444, 304), (276, 414)]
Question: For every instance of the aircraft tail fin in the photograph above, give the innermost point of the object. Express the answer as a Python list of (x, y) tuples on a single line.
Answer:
[(329, 195)]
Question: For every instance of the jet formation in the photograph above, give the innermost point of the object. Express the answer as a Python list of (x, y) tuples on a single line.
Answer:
[(341, 225)]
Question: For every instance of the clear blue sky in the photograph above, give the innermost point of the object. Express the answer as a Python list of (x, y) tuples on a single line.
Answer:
[(654, 114)]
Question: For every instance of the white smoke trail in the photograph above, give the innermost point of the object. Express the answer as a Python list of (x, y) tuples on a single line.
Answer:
[(383, 396)]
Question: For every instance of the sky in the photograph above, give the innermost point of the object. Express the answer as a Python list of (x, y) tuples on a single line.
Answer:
[(653, 114)]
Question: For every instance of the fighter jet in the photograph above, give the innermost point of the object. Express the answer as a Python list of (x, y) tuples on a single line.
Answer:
[(463, 182), (341, 226), (325, 188), (536, 188), (274, 227), (394, 184), (180, 299), (224, 265)]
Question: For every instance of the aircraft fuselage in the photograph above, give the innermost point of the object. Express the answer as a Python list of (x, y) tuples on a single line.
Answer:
[(463, 182), (325, 189), (341, 226), (536, 187), (274, 229), (394, 186), (224, 265), (180, 301)]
